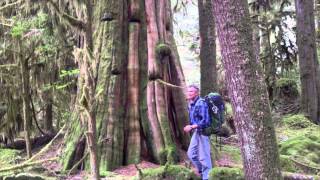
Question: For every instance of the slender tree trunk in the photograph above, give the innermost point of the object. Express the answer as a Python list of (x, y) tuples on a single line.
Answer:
[(25, 74), (308, 60), (48, 123), (247, 90), (208, 70), (268, 61)]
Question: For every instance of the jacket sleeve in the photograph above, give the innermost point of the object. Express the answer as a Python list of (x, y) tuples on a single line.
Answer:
[(202, 115)]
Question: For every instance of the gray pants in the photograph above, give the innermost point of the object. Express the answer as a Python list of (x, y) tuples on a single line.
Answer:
[(199, 153)]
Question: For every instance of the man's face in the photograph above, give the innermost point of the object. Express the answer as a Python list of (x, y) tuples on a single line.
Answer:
[(192, 93)]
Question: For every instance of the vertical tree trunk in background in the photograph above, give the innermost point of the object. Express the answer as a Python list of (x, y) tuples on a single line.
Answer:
[(317, 17), (25, 74), (268, 60), (247, 90), (208, 69), (137, 115), (308, 60), (48, 124)]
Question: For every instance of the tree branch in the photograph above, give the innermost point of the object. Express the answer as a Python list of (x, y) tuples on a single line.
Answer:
[(9, 5), (23, 165)]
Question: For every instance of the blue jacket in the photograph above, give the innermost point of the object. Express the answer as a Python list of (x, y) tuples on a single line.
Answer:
[(199, 113)]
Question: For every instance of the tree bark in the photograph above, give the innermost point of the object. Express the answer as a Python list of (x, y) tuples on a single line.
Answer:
[(208, 69), (137, 116), (308, 60), (247, 90)]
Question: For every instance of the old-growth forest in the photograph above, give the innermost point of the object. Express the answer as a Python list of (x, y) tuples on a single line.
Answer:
[(96, 89)]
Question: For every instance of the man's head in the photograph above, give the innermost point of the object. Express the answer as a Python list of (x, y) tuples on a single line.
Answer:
[(192, 92)]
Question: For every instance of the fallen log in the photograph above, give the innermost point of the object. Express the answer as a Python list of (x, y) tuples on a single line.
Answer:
[(35, 142)]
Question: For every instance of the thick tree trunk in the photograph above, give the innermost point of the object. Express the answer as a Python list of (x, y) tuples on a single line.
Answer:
[(137, 116), (308, 60), (25, 74), (208, 70), (247, 90)]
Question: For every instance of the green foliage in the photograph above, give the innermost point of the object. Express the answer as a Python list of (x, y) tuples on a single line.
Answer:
[(224, 173), (297, 121), (19, 29), (71, 72), (21, 26), (168, 172), (286, 82)]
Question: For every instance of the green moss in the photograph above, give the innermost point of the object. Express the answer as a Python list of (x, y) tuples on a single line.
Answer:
[(168, 172), (296, 121), (303, 148), (8, 156), (287, 164), (168, 155), (224, 173), (232, 152), (286, 82), (104, 173), (163, 50)]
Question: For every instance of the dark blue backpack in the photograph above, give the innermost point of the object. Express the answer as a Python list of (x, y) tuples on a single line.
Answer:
[(216, 110)]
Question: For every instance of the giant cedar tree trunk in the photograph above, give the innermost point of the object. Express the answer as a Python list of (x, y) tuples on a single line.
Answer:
[(208, 70), (308, 60), (247, 90), (137, 116)]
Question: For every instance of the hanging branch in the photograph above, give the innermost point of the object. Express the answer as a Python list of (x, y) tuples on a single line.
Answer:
[(70, 19)]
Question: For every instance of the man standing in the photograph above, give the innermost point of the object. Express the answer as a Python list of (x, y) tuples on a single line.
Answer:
[(199, 148)]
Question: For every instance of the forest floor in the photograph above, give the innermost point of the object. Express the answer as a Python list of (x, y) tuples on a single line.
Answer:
[(299, 144)]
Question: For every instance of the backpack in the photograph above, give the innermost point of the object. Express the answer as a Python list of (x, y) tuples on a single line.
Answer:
[(216, 111)]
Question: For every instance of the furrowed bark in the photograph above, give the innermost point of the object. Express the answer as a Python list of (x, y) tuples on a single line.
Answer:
[(308, 61), (208, 69), (133, 116), (248, 91)]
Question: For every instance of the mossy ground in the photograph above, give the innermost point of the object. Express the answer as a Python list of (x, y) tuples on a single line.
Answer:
[(299, 144), (169, 172), (8, 157), (225, 173)]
